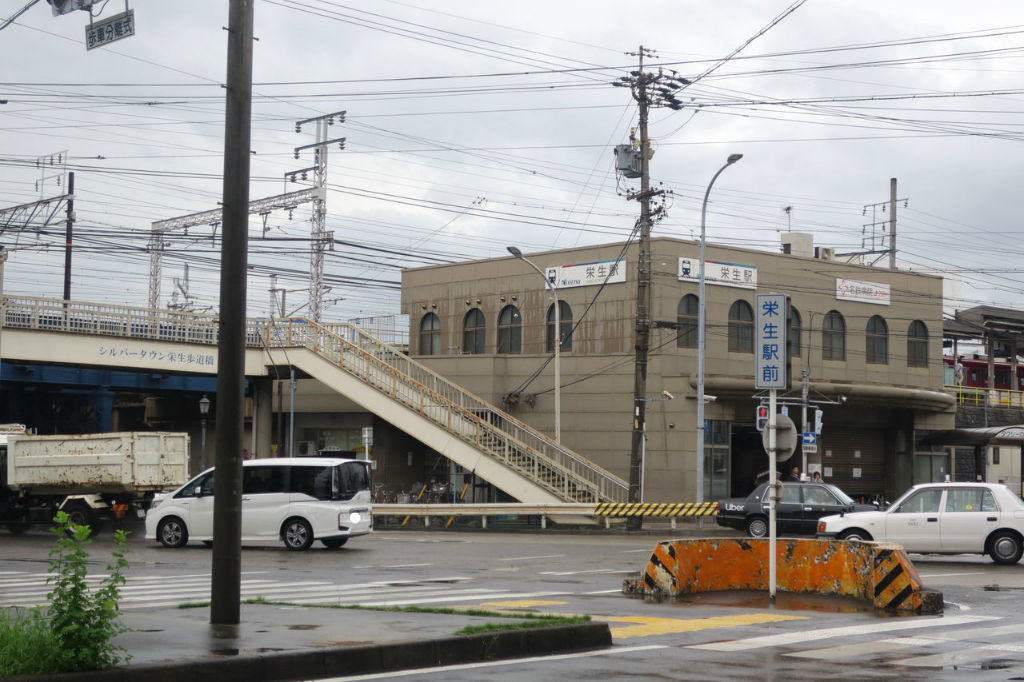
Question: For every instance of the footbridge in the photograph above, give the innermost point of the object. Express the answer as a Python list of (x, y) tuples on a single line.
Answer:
[(478, 436)]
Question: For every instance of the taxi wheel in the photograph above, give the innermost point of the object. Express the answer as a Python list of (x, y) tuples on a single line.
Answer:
[(1006, 548), (855, 534), (757, 527)]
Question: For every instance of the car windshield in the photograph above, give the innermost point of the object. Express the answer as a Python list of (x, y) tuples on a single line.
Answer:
[(843, 497)]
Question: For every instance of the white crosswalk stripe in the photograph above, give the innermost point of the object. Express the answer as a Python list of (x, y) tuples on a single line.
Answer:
[(940, 642), (30, 589)]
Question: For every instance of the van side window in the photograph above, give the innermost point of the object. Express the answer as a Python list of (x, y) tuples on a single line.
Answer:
[(354, 477), (262, 479), (312, 480)]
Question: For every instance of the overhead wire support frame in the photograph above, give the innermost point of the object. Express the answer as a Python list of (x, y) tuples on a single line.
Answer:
[(161, 227)]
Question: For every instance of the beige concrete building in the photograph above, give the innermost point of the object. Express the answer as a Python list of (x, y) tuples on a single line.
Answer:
[(868, 338)]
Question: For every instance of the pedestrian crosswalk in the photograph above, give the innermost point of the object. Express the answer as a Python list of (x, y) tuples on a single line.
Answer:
[(30, 589), (950, 642)]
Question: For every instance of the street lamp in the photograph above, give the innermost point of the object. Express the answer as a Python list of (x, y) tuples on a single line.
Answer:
[(557, 338), (733, 158), (204, 410)]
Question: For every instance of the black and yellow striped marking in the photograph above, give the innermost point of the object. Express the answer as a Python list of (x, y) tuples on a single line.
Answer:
[(896, 584), (655, 509)]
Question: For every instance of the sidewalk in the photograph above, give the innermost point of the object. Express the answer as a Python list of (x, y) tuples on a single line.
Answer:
[(308, 643)]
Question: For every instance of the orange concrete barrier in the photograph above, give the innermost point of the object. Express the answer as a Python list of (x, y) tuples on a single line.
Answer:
[(880, 573)]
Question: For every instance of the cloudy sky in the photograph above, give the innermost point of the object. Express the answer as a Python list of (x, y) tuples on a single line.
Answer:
[(474, 125)]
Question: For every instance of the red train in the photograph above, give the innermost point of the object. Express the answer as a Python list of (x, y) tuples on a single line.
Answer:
[(976, 373)]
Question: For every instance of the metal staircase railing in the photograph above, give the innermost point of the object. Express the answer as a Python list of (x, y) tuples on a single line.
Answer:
[(502, 437)]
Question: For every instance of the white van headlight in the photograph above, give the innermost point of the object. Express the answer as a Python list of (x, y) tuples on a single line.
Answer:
[(355, 517)]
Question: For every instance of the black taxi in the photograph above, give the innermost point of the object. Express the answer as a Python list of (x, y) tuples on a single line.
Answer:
[(800, 506)]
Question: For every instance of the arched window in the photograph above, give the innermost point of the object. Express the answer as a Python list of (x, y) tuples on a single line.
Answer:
[(510, 330), (741, 328), (474, 328), (687, 318), (876, 341), (917, 344), (795, 327), (564, 321), (833, 336), (430, 335)]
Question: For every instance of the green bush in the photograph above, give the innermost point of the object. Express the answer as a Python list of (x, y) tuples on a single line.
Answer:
[(76, 632), (84, 622)]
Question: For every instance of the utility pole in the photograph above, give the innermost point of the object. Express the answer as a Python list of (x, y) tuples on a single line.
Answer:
[(878, 238), (892, 223), (67, 236), (226, 571), (641, 85)]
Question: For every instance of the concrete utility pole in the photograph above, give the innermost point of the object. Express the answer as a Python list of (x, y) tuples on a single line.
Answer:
[(642, 87), (643, 304), (874, 240), (892, 223), (67, 236), (225, 583)]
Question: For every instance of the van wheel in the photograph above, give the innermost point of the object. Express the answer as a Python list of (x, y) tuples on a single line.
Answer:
[(297, 534), (172, 532), (333, 543)]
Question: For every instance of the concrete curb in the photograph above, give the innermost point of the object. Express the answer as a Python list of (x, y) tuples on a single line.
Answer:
[(311, 664)]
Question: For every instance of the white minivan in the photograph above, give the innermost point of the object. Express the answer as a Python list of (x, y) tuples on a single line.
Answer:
[(294, 500)]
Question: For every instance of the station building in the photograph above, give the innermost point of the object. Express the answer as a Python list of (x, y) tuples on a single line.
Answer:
[(868, 340)]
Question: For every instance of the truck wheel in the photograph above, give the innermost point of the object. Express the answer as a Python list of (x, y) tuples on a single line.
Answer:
[(172, 532), (333, 543), (297, 534), (81, 514)]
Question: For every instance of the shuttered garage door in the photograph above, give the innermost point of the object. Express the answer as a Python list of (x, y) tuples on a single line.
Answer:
[(844, 444)]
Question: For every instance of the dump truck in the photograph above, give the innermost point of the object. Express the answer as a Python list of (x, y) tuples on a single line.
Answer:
[(91, 477)]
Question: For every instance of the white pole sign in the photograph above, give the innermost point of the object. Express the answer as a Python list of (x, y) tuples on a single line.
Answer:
[(770, 341)]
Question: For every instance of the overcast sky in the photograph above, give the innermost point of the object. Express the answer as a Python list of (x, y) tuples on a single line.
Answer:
[(471, 126)]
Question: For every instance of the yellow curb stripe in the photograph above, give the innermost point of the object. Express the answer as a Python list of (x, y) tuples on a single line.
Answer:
[(647, 627)]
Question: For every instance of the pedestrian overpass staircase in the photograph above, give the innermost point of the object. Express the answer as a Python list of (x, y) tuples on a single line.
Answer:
[(466, 429)]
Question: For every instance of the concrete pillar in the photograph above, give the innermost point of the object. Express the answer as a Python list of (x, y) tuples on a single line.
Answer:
[(263, 415)]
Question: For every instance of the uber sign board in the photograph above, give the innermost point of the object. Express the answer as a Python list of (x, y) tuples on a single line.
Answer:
[(770, 350)]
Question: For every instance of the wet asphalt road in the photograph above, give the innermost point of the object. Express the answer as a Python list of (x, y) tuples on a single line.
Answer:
[(739, 636)]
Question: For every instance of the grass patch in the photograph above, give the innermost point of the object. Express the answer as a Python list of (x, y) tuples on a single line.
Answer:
[(527, 620), (27, 645), (538, 623)]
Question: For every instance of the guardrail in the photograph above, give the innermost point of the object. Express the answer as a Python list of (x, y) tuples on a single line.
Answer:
[(597, 512)]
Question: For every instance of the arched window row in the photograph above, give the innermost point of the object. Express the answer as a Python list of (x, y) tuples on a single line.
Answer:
[(509, 331)]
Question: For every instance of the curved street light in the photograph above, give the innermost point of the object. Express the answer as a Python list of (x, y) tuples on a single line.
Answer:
[(733, 158), (557, 339)]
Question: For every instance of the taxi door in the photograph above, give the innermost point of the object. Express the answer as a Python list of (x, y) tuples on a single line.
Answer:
[(915, 522)]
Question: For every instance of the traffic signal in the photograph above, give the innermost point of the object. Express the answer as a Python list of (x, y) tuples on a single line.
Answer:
[(762, 417), (60, 7)]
